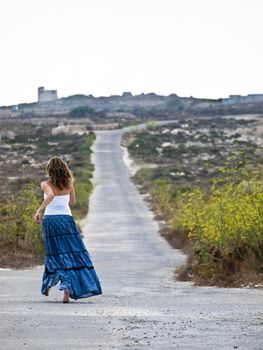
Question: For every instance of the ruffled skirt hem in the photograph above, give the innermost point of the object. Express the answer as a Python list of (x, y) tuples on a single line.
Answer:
[(85, 282)]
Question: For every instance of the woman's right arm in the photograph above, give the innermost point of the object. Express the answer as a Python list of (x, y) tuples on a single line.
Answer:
[(50, 195)]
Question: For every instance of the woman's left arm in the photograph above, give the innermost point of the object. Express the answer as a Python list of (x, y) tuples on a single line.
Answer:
[(50, 195), (72, 198)]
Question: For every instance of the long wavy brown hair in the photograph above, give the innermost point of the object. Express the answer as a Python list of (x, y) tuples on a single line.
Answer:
[(60, 174)]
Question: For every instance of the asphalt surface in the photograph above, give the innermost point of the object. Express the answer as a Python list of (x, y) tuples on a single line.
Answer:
[(141, 307)]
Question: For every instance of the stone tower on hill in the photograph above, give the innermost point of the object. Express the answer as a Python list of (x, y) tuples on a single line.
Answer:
[(46, 95)]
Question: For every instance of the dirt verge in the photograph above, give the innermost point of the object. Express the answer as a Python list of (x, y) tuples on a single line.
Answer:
[(19, 260)]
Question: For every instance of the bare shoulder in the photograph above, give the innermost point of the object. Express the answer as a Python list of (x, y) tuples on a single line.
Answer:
[(45, 184)]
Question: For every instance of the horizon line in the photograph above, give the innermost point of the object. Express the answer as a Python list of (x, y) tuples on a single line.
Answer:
[(133, 95)]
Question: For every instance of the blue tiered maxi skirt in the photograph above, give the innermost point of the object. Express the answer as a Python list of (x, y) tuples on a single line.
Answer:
[(66, 259)]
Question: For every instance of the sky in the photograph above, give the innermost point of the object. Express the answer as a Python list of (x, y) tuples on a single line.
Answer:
[(199, 48)]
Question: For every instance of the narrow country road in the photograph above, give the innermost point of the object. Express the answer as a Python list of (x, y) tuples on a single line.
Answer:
[(142, 307)]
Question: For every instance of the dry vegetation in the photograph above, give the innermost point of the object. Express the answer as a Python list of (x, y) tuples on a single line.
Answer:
[(208, 187), (24, 153)]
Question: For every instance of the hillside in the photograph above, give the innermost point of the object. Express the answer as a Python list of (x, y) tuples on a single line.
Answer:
[(127, 106)]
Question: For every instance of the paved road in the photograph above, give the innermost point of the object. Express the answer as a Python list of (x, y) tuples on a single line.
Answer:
[(142, 307)]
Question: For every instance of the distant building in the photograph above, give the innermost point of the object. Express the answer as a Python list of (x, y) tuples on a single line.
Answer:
[(127, 94), (46, 95), (255, 97), (14, 108), (234, 99)]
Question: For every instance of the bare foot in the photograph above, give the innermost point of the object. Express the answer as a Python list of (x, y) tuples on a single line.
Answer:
[(47, 292), (66, 296)]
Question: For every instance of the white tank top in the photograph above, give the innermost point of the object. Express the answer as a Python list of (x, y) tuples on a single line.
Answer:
[(58, 205)]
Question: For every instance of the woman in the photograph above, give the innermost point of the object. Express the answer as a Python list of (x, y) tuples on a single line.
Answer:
[(66, 257)]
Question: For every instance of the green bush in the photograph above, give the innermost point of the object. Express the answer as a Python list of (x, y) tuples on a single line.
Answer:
[(81, 111), (21, 239), (18, 231), (226, 225), (144, 146)]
